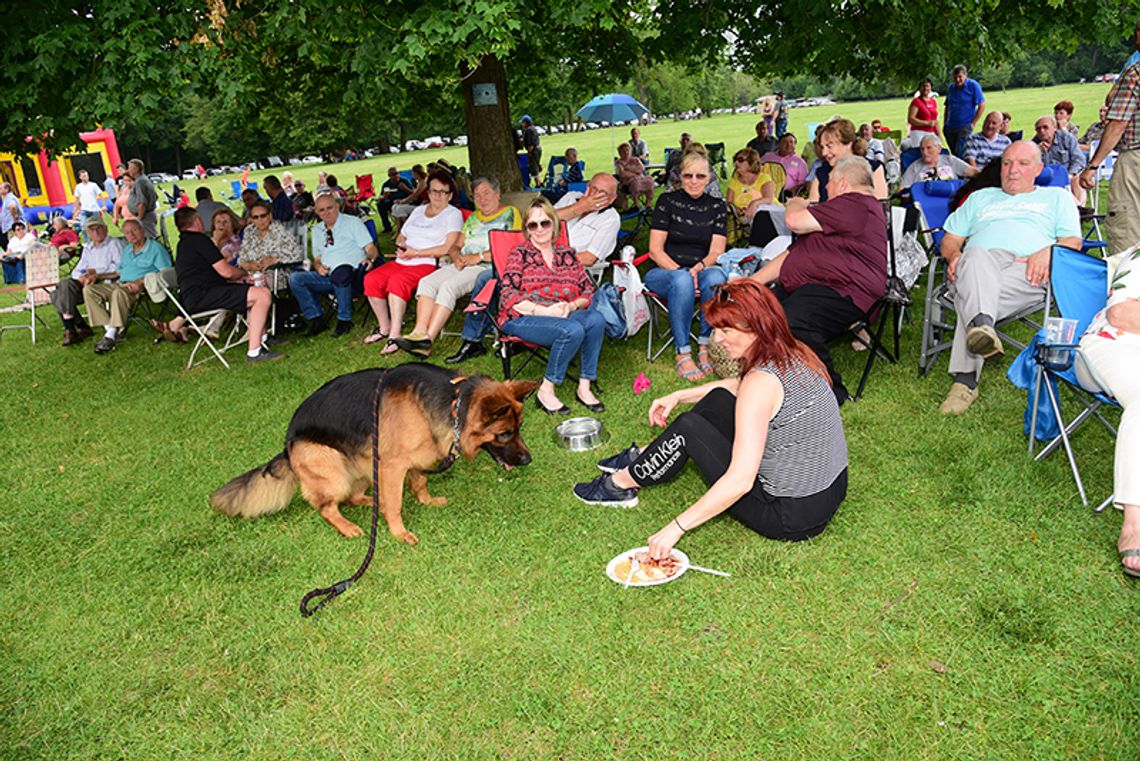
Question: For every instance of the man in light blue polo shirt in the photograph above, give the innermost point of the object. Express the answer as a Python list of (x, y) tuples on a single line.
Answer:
[(997, 248), (340, 244), (964, 106)]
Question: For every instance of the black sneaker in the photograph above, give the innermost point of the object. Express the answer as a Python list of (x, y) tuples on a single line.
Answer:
[(342, 327), (469, 350), (272, 341), (602, 491), (265, 355), (317, 326), (106, 345), (620, 460)]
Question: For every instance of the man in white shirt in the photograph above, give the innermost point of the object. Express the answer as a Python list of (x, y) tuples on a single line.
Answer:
[(100, 259), (86, 200)]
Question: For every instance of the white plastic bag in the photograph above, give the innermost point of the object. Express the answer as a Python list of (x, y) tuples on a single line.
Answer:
[(628, 281)]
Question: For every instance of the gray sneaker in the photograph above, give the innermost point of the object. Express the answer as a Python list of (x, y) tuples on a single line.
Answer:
[(265, 355), (106, 345)]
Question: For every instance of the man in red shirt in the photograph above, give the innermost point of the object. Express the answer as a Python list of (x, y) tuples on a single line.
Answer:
[(837, 268)]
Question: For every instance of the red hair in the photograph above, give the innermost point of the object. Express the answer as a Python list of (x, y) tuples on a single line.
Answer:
[(747, 306)]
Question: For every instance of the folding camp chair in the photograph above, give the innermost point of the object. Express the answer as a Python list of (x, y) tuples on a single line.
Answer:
[(717, 157), (1077, 288), (890, 308), (502, 243), (779, 176), (364, 189), (236, 336), (553, 174), (41, 277), (235, 190), (657, 308)]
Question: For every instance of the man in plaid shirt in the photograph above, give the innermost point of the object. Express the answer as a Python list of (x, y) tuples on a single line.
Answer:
[(1123, 123)]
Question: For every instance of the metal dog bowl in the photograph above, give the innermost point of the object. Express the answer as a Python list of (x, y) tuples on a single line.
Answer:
[(581, 434)]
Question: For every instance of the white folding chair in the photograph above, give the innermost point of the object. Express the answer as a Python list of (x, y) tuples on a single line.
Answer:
[(236, 336), (41, 265)]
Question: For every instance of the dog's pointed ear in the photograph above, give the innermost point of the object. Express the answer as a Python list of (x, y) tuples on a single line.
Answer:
[(519, 389)]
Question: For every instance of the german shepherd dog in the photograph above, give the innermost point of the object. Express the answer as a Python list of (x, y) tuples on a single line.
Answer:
[(427, 415)]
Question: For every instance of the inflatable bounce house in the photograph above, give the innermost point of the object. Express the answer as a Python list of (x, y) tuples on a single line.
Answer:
[(45, 185)]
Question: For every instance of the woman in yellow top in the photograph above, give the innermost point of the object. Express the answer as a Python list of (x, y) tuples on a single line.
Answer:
[(750, 186)]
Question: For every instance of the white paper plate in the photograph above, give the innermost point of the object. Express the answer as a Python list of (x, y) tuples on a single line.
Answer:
[(682, 566)]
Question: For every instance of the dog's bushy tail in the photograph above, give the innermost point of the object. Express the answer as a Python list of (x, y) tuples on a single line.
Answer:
[(262, 490)]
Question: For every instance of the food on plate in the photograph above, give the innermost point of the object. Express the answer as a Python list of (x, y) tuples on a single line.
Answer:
[(646, 570)]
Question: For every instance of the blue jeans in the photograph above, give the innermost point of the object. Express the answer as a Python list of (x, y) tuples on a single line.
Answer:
[(676, 287), (781, 127), (304, 284), (583, 329), (477, 324)]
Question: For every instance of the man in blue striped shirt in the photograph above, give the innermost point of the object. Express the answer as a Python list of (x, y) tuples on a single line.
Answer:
[(987, 145)]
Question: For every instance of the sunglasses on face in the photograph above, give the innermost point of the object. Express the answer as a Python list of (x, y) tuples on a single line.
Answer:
[(329, 238), (693, 176), (259, 216), (544, 224)]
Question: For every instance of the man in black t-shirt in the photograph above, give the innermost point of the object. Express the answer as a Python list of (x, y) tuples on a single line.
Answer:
[(394, 189), (533, 147), (763, 142), (207, 281)]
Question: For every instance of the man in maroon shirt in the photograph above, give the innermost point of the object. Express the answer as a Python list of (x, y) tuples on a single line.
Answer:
[(837, 268)]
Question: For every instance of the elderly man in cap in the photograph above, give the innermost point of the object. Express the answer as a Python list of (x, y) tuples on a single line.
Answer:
[(109, 301), (99, 261)]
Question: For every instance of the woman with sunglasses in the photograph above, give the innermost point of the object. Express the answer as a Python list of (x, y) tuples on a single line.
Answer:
[(267, 243), (686, 238), (429, 234), (750, 187), (544, 299), (769, 443)]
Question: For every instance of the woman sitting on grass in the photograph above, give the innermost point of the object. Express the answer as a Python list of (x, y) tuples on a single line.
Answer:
[(545, 299), (769, 443)]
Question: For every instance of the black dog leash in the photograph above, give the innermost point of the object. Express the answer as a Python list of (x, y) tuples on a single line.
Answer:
[(328, 593)]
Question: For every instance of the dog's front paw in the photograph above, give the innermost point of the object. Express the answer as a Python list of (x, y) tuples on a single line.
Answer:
[(349, 530), (408, 537)]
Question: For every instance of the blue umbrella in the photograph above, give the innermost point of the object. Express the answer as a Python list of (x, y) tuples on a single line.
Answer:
[(612, 107)]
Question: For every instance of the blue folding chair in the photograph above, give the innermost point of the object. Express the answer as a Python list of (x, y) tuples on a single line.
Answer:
[(932, 198), (911, 155), (1053, 176), (1078, 289), (235, 186)]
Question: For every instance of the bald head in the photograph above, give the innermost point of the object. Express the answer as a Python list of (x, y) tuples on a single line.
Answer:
[(1020, 165)]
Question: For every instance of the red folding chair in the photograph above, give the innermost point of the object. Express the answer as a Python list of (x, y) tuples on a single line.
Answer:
[(364, 189), (502, 243)]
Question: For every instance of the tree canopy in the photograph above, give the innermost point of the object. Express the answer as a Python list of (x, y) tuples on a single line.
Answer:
[(228, 78)]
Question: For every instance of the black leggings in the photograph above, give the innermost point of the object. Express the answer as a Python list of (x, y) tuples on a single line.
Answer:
[(705, 435)]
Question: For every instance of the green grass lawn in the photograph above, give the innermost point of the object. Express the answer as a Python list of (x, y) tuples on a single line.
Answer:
[(962, 604)]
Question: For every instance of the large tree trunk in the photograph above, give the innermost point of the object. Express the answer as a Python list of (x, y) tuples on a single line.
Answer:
[(490, 140)]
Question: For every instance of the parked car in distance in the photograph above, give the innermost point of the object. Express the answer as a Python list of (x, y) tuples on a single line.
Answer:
[(158, 177), (189, 174), (214, 171), (460, 140), (310, 160)]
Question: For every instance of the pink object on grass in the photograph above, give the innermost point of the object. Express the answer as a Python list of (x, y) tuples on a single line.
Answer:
[(641, 383)]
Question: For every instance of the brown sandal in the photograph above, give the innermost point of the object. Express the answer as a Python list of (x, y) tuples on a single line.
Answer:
[(166, 334)]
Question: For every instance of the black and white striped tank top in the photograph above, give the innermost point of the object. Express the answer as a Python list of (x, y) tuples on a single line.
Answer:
[(805, 450)]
